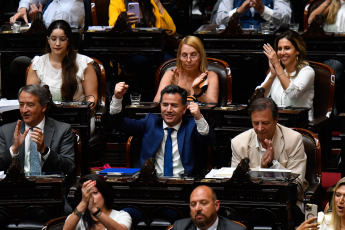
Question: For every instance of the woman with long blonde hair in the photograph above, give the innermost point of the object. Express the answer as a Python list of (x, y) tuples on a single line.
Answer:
[(334, 220), (334, 13)]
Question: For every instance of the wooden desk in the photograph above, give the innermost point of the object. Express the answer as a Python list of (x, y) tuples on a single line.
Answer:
[(26, 200), (267, 203), (248, 63)]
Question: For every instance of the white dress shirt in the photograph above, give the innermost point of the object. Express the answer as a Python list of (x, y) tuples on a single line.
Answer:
[(300, 92), (27, 148), (72, 11)]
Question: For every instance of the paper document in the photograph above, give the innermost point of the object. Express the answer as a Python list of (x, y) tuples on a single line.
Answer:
[(225, 172), (7, 105)]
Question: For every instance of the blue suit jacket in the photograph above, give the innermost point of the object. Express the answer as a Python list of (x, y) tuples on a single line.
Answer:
[(191, 145)]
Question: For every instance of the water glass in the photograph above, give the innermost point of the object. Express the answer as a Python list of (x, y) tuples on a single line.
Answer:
[(135, 99), (265, 28), (294, 26), (16, 27)]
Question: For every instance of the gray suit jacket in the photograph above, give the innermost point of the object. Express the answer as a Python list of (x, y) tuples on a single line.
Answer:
[(58, 137), (223, 224)]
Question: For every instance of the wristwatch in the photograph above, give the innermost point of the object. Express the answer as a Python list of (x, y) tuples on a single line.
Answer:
[(46, 150), (97, 213)]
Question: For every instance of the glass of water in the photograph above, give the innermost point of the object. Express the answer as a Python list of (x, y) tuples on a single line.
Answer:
[(135, 99), (294, 27), (16, 27)]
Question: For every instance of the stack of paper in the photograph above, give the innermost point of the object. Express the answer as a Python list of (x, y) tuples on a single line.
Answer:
[(7, 105)]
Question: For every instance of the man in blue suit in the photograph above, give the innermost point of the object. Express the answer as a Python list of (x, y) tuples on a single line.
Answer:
[(189, 137)]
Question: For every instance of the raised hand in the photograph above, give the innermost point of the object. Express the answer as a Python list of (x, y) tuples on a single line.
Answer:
[(197, 81), (18, 138), (174, 77), (271, 54), (194, 110), (120, 90)]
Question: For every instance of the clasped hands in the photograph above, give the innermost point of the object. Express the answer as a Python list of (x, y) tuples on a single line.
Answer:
[(36, 135), (87, 189), (256, 4), (268, 156), (273, 60)]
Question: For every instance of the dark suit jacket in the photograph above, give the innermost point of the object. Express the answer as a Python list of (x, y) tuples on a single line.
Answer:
[(223, 224), (58, 137), (191, 144)]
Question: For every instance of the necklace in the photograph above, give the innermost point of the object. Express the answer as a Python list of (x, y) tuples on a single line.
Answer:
[(189, 89)]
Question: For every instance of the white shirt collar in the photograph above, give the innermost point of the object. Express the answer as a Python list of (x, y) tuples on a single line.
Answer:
[(176, 127), (40, 125)]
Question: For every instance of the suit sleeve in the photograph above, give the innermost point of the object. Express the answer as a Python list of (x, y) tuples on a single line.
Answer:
[(62, 157), (5, 155), (236, 154), (129, 126)]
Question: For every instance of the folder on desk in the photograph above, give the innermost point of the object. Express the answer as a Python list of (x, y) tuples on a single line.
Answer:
[(120, 171)]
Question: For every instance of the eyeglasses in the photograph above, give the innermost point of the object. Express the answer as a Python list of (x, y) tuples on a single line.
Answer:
[(54, 39), (192, 56)]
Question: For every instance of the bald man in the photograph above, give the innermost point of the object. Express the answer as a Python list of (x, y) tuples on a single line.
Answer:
[(203, 211)]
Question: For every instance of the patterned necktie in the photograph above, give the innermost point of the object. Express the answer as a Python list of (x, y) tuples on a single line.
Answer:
[(168, 164), (35, 165)]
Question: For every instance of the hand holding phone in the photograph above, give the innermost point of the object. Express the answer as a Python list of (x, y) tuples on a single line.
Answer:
[(310, 211), (133, 12)]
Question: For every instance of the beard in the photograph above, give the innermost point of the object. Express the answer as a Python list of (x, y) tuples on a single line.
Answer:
[(206, 222)]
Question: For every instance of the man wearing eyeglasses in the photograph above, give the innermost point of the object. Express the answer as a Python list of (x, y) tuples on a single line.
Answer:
[(40, 143), (72, 11)]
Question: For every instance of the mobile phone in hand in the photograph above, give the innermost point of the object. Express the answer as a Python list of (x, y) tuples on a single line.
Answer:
[(310, 211), (133, 7)]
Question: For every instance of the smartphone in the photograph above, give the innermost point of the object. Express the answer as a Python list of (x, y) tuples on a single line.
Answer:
[(310, 211), (133, 7)]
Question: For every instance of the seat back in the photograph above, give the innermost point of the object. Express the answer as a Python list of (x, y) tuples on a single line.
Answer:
[(323, 89), (220, 67), (55, 224), (100, 12), (77, 152), (101, 77), (312, 149)]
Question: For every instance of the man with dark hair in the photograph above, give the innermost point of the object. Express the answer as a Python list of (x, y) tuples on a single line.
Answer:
[(41, 144), (271, 145), (176, 143), (203, 213)]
